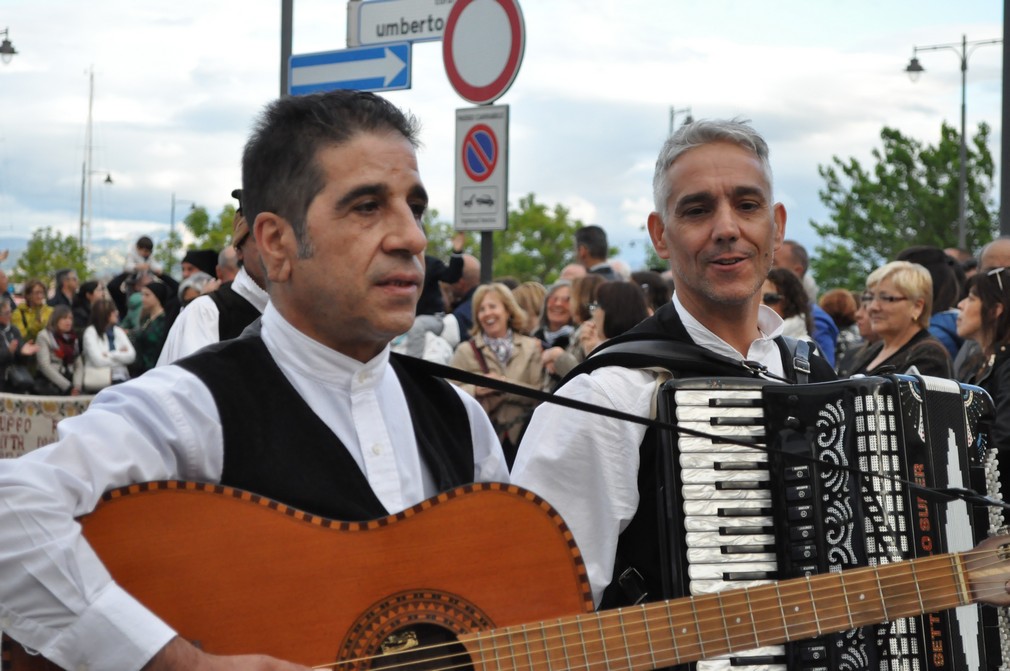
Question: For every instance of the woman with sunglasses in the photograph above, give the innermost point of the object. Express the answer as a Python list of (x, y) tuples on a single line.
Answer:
[(898, 300), (984, 316), (783, 292)]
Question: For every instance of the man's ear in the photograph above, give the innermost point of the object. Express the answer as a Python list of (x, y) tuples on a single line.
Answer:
[(779, 217), (275, 240), (656, 230)]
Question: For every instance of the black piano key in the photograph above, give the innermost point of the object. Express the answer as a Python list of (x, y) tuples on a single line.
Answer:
[(730, 486), (750, 575), (744, 512), (746, 549), (746, 531), (739, 466), (763, 660)]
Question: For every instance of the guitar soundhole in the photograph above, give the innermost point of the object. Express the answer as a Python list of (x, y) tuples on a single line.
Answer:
[(413, 630)]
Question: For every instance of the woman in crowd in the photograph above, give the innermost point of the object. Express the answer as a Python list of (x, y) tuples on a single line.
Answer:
[(530, 297), (841, 306), (867, 337), (556, 318), (32, 316), (17, 357), (898, 299), (619, 306), (193, 286), (984, 316), (498, 350), (558, 361), (658, 290), (784, 293), (149, 337), (58, 356), (89, 292), (107, 349)]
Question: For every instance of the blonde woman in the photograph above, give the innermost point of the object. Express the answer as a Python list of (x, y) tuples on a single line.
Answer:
[(898, 301), (498, 350)]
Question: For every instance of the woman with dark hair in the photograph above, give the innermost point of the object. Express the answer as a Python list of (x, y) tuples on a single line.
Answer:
[(841, 306), (149, 337), (984, 316), (618, 307), (784, 293), (58, 356), (32, 316), (107, 348), (88, 293), (658, 291)]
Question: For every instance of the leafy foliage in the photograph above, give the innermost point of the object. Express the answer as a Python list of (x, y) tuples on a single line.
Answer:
[(48, 252), (208, 233), (910, 197), (538, 243)]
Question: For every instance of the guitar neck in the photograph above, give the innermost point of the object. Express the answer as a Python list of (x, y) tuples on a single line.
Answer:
[(686, 630)]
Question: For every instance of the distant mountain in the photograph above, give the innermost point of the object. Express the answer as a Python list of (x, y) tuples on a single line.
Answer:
[(107, 254)]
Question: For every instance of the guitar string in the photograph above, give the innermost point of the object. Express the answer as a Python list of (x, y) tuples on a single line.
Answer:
[(657, 615)]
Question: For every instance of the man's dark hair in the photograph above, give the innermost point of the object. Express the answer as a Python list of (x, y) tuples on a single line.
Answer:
[(594, 239), (799, 254), (948, 277), (280, 167), (61, 276)]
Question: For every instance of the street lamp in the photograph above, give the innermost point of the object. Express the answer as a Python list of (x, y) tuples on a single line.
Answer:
[(914, 69), (171, 227), (686, 111), (7, 49)]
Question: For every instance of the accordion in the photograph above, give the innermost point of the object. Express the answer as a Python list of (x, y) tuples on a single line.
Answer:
[(824, 489)]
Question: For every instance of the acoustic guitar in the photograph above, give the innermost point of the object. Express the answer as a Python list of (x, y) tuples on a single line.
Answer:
[(486, 576)]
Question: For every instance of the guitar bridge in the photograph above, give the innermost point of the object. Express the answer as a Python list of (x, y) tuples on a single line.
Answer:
[(399, 642)]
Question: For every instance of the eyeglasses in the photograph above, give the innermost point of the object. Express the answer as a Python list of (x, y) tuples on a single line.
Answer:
[(771, 299), (998, 272), (592, 307), (884, 298)]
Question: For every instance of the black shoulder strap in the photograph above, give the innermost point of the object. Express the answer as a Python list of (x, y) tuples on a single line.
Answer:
[(799, 350), (680, 358)]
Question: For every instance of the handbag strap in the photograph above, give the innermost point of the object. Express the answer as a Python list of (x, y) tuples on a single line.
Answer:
[(480, 357)]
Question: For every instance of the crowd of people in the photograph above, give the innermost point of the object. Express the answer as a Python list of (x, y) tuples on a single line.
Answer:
[(327, 298), (84, 336)]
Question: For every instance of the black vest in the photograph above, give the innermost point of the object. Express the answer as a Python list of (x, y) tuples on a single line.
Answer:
[(234, 312), (638, 546), (276, 446)]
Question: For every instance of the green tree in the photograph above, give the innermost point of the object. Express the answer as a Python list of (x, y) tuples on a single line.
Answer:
[(910, 197), (210, 233), (538, 243), (48, 252), (167, 252)]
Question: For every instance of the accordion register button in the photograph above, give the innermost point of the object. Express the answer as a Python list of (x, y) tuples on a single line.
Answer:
[(801, 533), (800, 493), (798, 552), (797, 473), (800, 513)]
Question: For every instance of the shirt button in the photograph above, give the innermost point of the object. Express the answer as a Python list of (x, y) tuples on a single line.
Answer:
[(376, 449), (364, 376)]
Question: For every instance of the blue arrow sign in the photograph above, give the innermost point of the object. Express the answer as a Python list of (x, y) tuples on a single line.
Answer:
[(380, 68)]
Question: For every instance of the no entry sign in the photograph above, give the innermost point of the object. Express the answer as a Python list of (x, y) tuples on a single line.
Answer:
[(482, 48)]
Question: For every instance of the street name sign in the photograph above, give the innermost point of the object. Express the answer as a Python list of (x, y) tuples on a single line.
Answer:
[(382, 68), (383, 21), (482, 168)]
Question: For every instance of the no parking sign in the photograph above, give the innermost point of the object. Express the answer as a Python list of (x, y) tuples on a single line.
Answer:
[(482, 168)]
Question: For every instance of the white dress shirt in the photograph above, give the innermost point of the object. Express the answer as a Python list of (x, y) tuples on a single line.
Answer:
[(586, 465), (197, 323), (56, 597)]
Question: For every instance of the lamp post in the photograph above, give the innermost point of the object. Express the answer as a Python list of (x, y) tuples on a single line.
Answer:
[(84, 235), (171, 227), (7, 49), (914, 69), (686, 111)]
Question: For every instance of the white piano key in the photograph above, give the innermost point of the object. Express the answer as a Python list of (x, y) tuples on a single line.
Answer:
[(705, 539), (690, 413), (712, 523), (709, 494), (717, 571), (709, 458), (715, 556), (704, 475), (699, 587)]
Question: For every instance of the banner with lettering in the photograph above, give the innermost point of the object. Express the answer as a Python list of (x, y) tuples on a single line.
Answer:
[(29, 422)]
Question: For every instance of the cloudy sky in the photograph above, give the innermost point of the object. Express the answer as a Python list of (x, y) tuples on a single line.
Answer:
[(178, 84)]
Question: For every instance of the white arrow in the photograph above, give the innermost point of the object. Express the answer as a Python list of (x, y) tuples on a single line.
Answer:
[(388, 68)]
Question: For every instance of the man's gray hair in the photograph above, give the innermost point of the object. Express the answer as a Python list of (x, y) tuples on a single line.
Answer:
[(697, 133)]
